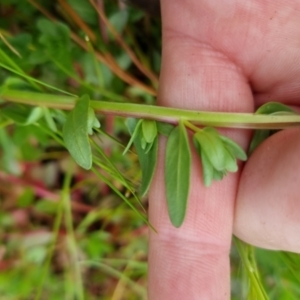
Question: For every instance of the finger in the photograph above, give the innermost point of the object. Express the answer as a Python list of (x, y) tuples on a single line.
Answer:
[(268, 203), (192, 262)]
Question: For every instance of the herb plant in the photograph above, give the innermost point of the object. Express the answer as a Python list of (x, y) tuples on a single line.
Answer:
[(50, 72)]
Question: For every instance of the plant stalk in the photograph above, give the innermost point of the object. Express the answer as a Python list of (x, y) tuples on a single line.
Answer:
[(158, 113)]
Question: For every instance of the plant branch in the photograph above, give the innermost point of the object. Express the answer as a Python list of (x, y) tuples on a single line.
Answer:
[(158, 113)]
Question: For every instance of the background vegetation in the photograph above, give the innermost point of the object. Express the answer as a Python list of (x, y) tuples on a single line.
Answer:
[(67, 233)]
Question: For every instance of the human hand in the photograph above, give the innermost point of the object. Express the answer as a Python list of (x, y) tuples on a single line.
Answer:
[(227, 56)]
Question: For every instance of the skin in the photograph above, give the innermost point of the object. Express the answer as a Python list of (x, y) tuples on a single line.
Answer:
[(227, 56)]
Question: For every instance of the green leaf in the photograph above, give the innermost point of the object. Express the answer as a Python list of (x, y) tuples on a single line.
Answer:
[(148, 147), (164, 128), (148, 164), (207, 168), (92, 121), (149, 130), (292, 261), (16, 112), (258, 137), (147, 158), (21, 43), (8, 159), (55, 37), (75, 133), (119, 20), (85, 10), (35, 114), (26, 198), (230, 162), (143, 142), (22, 114), (49, 119), (213, 147), (270, 108), (273, 107), (177, 173), (219, 175), (17, 84), (46, 206), (133, 126), (233, 148)]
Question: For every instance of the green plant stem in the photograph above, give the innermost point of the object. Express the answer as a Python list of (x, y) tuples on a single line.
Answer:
[(73, 248), (246, 253), (46, 266), (191, 126), (158, 113), (140, 291)]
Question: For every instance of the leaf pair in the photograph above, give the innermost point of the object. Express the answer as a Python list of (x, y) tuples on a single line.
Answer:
[(218, 154), (144, 137)]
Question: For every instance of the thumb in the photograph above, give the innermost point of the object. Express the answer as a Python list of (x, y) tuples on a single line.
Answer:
[(191, 261), (268, 205)]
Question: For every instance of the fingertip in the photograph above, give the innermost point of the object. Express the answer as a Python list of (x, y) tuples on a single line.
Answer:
[(268, 204)]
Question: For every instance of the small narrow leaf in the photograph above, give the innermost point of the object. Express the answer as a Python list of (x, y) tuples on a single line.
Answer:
[(20, 114), (92, 121), (234, 148), (270, 108), (177, 173), (213, 147), (131, 124), (35, 114), (49, 119), (147, 157), (148, 147), (207, 168), (149, 130), (148, 164), (75, 133), (258, 137), (230, 162), (273, 107), (218, 175), (164, 128), (211, 131), (143, 142), (133, 128)]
